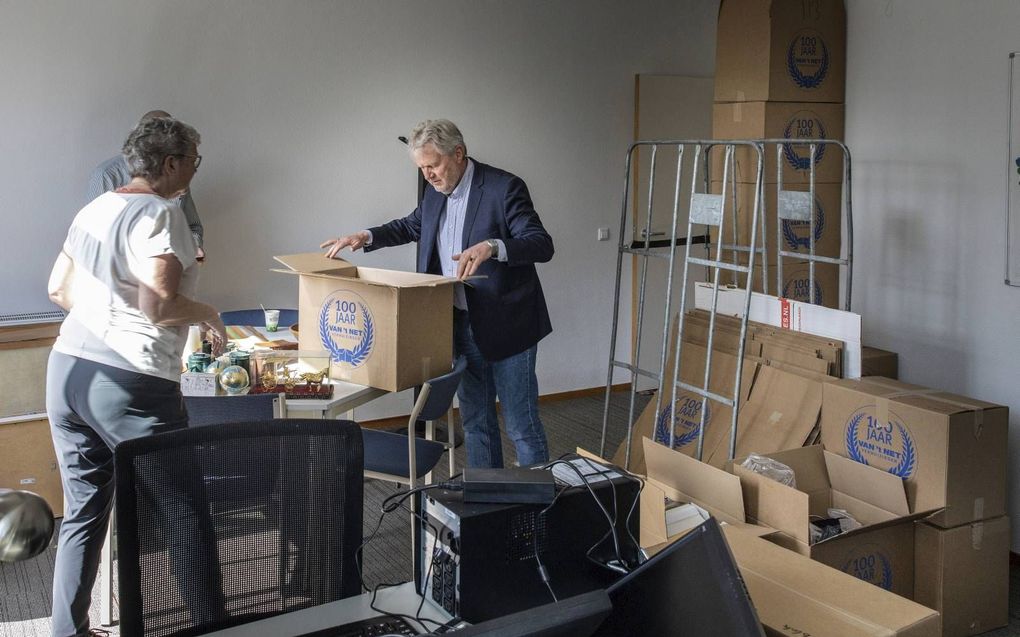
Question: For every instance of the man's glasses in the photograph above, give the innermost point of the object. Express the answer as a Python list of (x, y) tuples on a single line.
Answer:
[(197, 158)]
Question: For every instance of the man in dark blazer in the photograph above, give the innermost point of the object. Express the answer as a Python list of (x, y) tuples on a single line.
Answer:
[(475, 219)]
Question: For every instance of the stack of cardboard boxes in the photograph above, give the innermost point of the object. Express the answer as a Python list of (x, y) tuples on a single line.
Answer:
[(780, 73), (950, 452)]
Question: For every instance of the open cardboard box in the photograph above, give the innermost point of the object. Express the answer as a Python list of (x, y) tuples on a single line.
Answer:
[(795, 595), (383, 328), (676, 476), (881, 551)]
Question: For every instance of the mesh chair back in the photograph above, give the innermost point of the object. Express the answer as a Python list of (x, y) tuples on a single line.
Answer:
[(215, 410), (257, 317), (192, 559), (441, 392)]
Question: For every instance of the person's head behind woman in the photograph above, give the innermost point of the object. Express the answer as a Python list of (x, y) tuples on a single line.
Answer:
[(153, 140)]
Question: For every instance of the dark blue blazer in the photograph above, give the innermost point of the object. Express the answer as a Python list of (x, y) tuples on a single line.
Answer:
[(507, 309)]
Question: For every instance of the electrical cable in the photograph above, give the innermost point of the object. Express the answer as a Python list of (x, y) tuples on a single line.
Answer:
[(606, 471), (388, 506), (612, 523)]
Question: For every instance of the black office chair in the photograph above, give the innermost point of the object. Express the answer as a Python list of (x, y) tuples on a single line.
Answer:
[(187, 569), (257, 318)]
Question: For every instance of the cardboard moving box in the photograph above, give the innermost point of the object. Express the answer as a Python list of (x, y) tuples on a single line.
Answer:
[(385, 329), (781, 50), (879, 362), (673, 475), (796, 283), (950, 450), (881, 551), (29, 462), (781, 120), (796, 596), (24, 352), (794, 236), (964, 574)]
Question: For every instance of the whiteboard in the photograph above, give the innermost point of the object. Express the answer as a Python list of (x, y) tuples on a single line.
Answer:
[(1013, 178)]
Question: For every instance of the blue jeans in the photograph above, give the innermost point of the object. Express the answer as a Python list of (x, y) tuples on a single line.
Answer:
[(513, 380)]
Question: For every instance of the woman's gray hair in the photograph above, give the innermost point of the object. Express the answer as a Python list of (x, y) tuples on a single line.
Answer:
[(442, 133), (155, 139)]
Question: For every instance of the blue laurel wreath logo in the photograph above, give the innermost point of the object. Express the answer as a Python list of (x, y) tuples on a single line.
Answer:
[(356, 355), (852, 451), (799, 294), (814, 80), (908, 456), (661, 434), (906, 466), (790, 234), (792, 157), (866, 567)]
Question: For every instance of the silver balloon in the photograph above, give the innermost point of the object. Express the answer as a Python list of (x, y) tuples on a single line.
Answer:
[(26, 525)]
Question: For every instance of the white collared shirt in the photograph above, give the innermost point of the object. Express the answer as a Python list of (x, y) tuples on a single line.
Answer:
[(451, 231)]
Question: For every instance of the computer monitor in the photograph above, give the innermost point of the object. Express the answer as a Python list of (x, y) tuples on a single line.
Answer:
[(692, 587), (577, 616)]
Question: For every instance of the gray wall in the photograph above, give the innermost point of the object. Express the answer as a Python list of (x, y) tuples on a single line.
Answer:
[(926, 121), (300, 103)]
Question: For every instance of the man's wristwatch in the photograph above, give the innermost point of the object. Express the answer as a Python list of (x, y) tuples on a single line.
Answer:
[(493, 248)]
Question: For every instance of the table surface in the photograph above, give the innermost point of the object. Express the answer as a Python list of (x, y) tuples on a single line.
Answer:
[(397, 599)]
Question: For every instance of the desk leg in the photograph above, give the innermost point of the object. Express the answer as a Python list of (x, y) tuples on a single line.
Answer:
[(106, 578)]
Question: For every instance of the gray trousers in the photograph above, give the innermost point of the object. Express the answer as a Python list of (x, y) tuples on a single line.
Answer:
[(93, 407)]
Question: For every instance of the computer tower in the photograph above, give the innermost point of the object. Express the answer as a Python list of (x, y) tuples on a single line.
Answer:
[(478, 560)]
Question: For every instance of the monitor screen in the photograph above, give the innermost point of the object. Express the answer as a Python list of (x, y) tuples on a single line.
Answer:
[(692, 587), (577, 616)]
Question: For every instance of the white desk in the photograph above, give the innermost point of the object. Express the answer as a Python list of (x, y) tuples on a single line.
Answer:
[(398, 599), (346, 396)]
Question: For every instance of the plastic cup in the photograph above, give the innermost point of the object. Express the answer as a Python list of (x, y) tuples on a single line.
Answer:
[(272, 320)]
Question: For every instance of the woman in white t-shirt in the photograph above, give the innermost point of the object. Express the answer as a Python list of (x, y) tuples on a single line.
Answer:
[(125, 274)]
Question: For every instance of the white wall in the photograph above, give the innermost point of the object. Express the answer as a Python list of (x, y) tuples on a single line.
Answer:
[(927, 101), (300, 103)]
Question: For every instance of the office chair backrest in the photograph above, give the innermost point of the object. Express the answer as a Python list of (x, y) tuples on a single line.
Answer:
[(257, 317), (441, 391), (191, 560), (216, 410)]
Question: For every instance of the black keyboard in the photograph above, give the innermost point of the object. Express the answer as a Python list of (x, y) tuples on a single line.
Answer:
[(371, 627)]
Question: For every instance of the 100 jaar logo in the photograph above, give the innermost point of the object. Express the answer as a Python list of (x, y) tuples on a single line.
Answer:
[(346, 328)]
